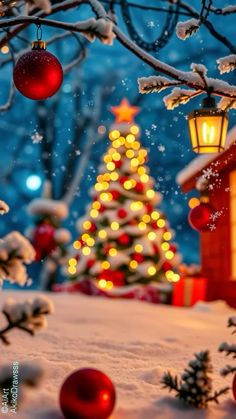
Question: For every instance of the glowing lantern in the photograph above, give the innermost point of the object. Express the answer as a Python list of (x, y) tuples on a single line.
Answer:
[(208, 127)]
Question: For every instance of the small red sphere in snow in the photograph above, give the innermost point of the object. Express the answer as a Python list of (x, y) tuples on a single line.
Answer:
[(138, 257), (234, 387), (38, 74), (115, 194), (43, 240), (124, 239), (122, 213), (87, 394), (139, 187), (200, 217)]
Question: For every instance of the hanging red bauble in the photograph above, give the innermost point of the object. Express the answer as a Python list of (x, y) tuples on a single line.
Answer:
[(92, 228), (200, 217), (139, 187), (154, 225), (122, 213), (87, 394), (124, 239), (118, 278), (123, 179), (102, 208), (138, 257), (38, 74), (43, 240), (149, 208), (167, 266), (115, 194), (118, 163), (234, 387), (90, 263)]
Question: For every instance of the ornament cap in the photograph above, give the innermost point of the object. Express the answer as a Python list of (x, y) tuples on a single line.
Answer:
[(38, 45)]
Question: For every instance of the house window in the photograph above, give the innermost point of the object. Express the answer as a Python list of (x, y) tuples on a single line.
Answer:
[(232, 184)]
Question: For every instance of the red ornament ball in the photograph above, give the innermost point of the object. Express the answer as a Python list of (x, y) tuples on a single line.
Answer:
[(139, 187), (123, 179), (124, 239), (38, 74), (200, 216), (117, 163), (87, 394), (234, 387), (115, 194), (138, 257), (122, 213), (92, 228), (43, 240)]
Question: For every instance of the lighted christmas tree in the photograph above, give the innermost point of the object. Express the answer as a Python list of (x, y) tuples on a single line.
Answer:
[(124, 239)]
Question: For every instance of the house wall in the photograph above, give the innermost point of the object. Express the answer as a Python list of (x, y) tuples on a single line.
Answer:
[(216, 245)]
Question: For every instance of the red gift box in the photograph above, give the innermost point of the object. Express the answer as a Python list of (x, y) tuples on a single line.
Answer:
[(188, 291)]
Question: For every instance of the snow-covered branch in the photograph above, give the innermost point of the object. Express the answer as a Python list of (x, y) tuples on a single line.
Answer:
[(28, 316)]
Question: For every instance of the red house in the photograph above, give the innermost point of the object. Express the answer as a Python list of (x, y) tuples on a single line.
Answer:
[(218, 246)]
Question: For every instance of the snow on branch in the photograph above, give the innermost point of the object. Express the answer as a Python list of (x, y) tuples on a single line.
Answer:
[(28, 316), (154, 84), (4, 208), (227, 64), (186, 29), (225, 103), (179, 97), (15, 252)]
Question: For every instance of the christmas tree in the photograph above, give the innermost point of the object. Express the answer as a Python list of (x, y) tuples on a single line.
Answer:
[(124, 238)]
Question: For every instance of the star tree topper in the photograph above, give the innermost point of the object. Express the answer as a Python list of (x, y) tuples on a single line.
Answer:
[(125, 112)]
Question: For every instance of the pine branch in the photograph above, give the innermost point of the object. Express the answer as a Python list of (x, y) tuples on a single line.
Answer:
[(227, 370), (170, 381), (217, 394)]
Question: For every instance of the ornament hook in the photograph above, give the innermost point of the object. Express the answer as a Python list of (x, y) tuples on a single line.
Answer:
[(39, 32)]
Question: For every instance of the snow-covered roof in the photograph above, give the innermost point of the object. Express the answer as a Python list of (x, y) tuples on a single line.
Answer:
[(199, 163)]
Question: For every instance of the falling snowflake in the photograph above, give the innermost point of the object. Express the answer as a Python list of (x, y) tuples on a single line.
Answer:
[(77, 152), (209, 173), (151, 24), (154, 127), (148, 133), (36, 137), (216, 215), (212, 227), (161, 148)]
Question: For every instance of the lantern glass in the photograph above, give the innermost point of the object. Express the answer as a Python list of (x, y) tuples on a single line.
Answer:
[(208, 129)]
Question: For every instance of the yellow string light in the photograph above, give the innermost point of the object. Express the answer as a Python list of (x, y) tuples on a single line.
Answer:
[(134, 162), (152, 270), (107, 158), (167, 235), (165, 246), (130, 154), (146, 218), (169, 254), (72, 262), (102, 234), (72, 270), (86, 251), (136, 205), (144, 178), (142, 226), (161, 223), (109, 285), (85, 237), (111, 166), (175, 278), (155, 215), (150, 193), (77, 245), (135, 145), (138, 248), (134, 129), (141, 170), (128, 185), (105, 196), (90, 242), (94, 213), (151, 235), (115, 226), (87, 224), (114, 134), (133, 264), (130, 138), (169, 274), (105, 265), (102, 283), (116, 156), (112, 252), (114, 176), (96, 205)]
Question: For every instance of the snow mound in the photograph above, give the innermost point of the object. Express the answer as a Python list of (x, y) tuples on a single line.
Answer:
[(218, 306)]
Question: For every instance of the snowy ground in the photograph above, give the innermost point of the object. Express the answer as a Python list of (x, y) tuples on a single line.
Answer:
[(133, 342)]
